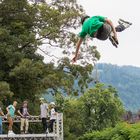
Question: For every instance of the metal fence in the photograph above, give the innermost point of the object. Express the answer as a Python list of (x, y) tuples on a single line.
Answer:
[(56, 135)]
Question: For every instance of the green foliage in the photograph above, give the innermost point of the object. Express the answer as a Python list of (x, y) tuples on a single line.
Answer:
[(28, 79), (23, 27), (96, 109), (122, 131), (68, 79), (4, 90), (102, 107)]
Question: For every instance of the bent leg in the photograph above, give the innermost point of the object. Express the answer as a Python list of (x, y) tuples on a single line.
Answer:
[(122, 25), (120, 28), (10, 120), (51, 125)]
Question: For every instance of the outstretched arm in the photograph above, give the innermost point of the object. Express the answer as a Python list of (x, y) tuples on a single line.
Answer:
[(113, 28), (77, 49)]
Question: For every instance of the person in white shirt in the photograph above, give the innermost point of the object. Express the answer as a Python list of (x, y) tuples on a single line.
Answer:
[(53, 116), (44, 114)]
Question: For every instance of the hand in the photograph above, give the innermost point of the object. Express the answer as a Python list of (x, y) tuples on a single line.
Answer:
[(116, 39), (74, 59), (5, 117)]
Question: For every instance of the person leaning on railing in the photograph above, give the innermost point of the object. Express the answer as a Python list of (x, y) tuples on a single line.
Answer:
[(10, 116), (44, 114), (23, 112)]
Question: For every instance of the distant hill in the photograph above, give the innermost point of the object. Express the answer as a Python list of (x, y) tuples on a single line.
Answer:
[(126, 79)]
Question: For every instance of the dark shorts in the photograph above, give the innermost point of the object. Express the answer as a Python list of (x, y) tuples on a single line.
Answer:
[(104, 32)]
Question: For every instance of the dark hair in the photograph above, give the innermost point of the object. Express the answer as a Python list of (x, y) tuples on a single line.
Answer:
[(84, 18)]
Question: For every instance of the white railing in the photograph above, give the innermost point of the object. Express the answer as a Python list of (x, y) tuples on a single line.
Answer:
[(18, 119), (57, 135)]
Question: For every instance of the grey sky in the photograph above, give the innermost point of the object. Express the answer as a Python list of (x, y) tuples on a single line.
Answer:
[(128, 52)]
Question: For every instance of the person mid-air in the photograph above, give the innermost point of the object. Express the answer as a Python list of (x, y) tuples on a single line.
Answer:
[(101, 28)]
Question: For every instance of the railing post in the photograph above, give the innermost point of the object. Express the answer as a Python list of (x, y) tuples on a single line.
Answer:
[(61, 127), (57, 126)]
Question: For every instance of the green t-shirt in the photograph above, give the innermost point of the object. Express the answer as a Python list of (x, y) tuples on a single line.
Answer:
[(11, 110), (91, 25)]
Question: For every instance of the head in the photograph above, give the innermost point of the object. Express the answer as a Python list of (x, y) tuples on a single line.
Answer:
[(25, 104), (84, 18), (41, 100), (52, 104), (15, 103)]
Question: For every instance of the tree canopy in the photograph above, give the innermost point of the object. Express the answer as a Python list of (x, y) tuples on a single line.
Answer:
[(96, 109), (24, 27)]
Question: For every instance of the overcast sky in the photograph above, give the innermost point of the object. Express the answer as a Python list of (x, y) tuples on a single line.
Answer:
[(128, 52)]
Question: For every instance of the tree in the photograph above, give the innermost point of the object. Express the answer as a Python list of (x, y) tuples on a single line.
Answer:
[(68, 79), (96, 109), (26, 26), (102, 107), (23, 27), (28, 79), (5, 93), (121, 131)]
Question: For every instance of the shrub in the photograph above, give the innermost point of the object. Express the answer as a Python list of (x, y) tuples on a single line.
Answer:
[(122, 131)]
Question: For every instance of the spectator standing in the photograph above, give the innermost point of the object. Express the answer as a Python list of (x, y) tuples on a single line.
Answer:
[(44, 114), (10, 117), (23, 112), (53, 116)]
